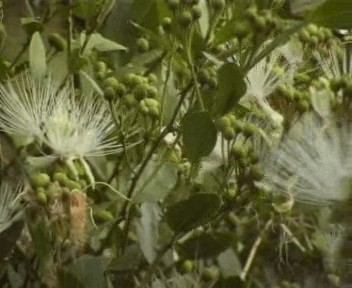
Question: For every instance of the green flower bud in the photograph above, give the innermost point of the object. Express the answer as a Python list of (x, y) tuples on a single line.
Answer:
[(218, 4), (71, 184), (110, 82), (213, 82), (143, 107), (312, 29), (152, 92), (40, 180), (196, 12), (238, 151), (228, 133), (185, 18), (141, 91), (241, 29), (173, 4), (233, 120), (130, 100), (249, 129), (303, 105), (210, 273), (154, 112), (223, 123), (187, 266), (203, 76), (61, 178), (109, 94), (152, 78), (100, 66), (41, 196), (304, 35), (103, 215), (260, 23), (142, 45), (166, 23), (57, 41), (256, 172), (313, 40)]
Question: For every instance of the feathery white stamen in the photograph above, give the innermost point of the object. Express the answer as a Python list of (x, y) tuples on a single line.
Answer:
[(335, 64), (25, 104), (312, 162), (8, 207)]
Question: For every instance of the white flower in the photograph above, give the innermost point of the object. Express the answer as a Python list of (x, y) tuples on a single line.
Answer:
[(71, 127), (336, 64), (8, 208), (313, 162), (263, 79), (25, 104), (80, 127)]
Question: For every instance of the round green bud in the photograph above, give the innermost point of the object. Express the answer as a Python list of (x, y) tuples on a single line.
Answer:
[(143, 107), (142, 45), (150, 102), (228, 133), (185, 18), (238, 151), (203, 76), (57, 41), (110, 82), (232, 119), (238, 126), (231, 193), (41, 197), (223, 123), (312, 29), (251, 13), (120, 89), (101, 75), (313, 40), (40, 180), (130, 100), (241, 29), (71, 184), (132, 80), (196, 12), (100, 66), (210, 273), (141, 91), (218, 4), (152, 78), (152, 92), (304, 35), (109, 94), (154, 112), (187, 266), (173, 4), (103, 215), (256, 172), (260, 23), (303, 105), (213, 82), (166, 23), (249, 129), (61, 178)]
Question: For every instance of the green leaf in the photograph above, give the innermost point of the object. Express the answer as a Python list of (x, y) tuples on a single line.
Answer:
[(301, 6), (130, 260), (68, 280), (150, 13), (193, 212), (156, 182), (100, 43), (31, 25), (333, 14), (205, 245), (89, 270), (147, 230), (229, 263), (231, 88), (37, 57), (199, 135)]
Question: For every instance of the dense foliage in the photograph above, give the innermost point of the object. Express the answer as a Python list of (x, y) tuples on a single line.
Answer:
[(175, 143)]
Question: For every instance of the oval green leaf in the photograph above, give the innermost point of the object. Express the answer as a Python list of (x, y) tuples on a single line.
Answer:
[(37, 57), (199, 135), (192, 212)]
